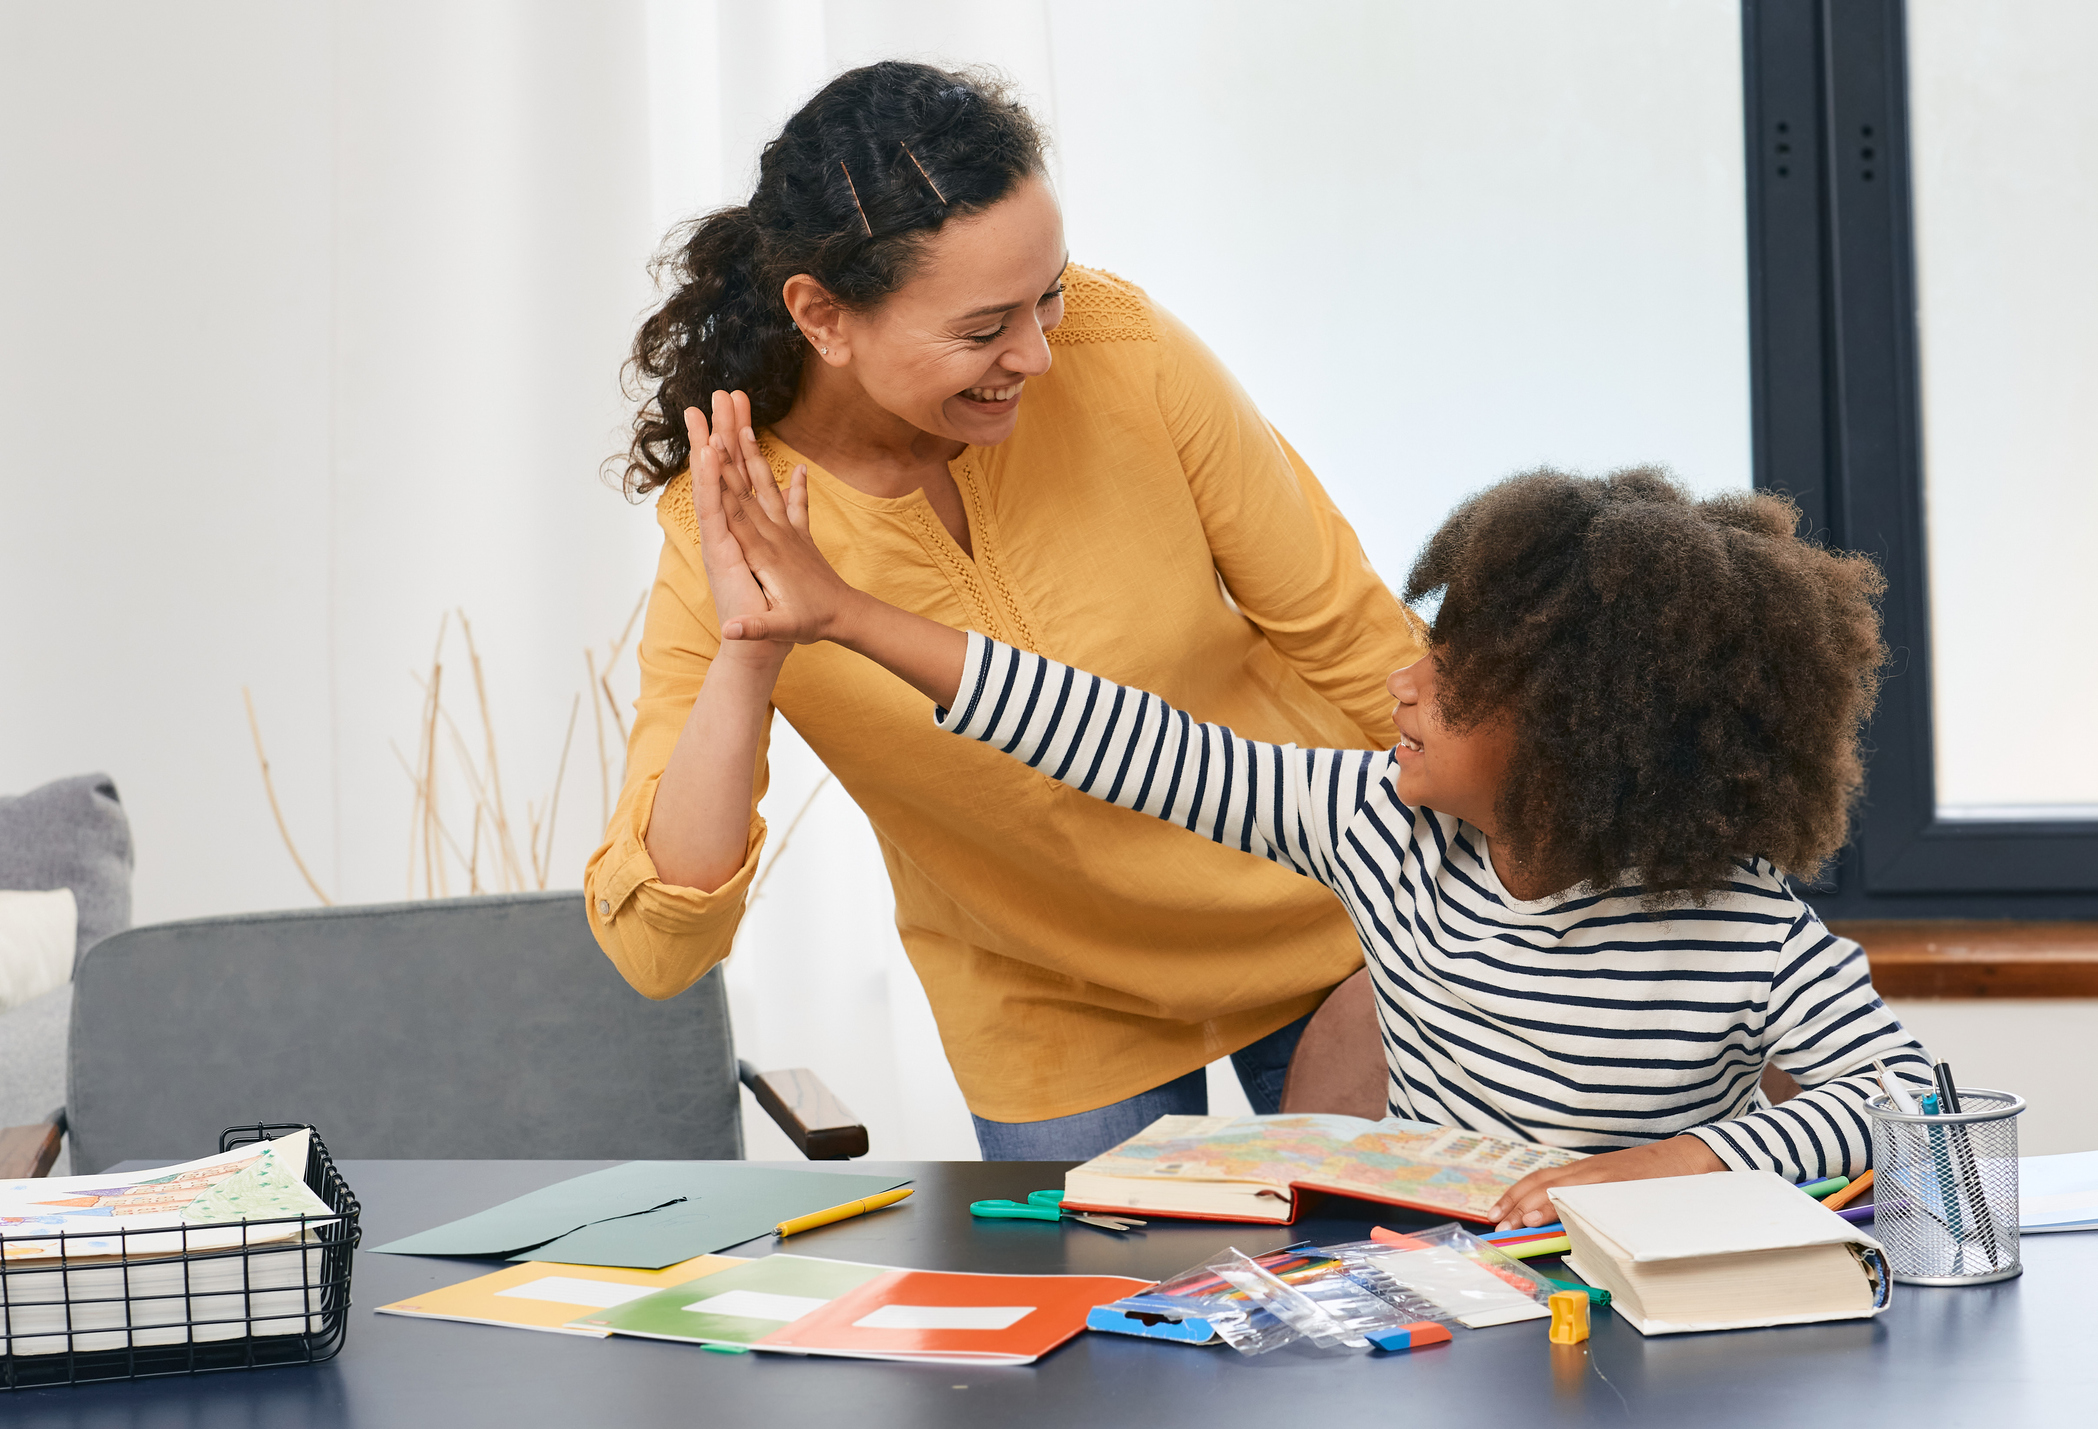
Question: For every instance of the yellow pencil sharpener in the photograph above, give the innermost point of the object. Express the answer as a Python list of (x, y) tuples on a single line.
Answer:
[(1569, 1316)]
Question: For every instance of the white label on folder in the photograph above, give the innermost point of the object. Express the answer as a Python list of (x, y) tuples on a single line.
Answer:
[(568, 1290), (757, 1305), (944, 1317), (1460, 1285)]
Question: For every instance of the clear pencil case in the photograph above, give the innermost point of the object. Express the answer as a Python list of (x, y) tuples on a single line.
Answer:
[(1317, 1299), (1452, 1273)]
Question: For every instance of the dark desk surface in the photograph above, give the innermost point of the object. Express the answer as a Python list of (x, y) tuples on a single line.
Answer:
[(2017, 1354)]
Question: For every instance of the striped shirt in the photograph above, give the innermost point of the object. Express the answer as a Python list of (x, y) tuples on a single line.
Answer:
[(1579, 1021)]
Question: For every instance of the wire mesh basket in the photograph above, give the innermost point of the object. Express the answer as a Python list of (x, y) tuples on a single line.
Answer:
[(243, 1295), (1945, 1189)]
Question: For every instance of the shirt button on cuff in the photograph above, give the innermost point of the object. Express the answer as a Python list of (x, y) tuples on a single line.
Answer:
[(604, 907)]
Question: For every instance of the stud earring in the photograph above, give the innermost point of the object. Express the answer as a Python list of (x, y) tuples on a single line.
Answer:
[(824, 350)]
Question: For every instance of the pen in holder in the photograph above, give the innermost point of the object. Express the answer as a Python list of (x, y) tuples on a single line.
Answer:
[(1945, 1189)]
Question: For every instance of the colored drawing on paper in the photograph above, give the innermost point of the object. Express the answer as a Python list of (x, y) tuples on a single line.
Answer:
[(265, 1188), (244, 1184)]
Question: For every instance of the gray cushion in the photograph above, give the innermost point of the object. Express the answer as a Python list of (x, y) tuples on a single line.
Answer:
[(466, 1027), (72, 833)]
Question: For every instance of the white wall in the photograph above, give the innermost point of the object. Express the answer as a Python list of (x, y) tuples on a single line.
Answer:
[(1438, 243), (310, 316), (2038, 1049), (313, 321)]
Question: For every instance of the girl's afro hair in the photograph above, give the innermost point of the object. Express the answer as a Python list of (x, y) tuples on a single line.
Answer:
[(1688, 679)]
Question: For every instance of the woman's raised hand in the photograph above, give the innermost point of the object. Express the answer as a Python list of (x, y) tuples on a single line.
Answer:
[(762, 537)]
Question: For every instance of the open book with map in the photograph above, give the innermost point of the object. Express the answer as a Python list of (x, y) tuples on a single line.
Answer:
[(1250, 1168)]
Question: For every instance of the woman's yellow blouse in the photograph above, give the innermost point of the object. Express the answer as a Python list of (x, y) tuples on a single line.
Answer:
[(1142, 522)]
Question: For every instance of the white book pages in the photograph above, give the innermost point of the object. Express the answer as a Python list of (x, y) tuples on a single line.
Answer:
[(113, 1307), (1724, 1213), (1653, 1325)]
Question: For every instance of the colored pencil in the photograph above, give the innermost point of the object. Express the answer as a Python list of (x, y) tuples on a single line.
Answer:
[(1523, 1233), (1849, 1193)]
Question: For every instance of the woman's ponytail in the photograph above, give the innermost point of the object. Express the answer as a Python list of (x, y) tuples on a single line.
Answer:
[(715, 333), (848, 193)]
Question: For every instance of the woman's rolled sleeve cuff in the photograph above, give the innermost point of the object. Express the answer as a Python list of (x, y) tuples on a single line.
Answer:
[(627, 881)]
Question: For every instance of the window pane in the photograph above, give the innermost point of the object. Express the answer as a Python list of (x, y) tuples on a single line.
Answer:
[(1437, 242), (2005, 130)]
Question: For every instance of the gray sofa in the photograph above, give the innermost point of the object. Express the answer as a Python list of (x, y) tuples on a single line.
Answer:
[(71, 833)]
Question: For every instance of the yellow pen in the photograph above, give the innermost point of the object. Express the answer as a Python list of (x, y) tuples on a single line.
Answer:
[(840, 1213)]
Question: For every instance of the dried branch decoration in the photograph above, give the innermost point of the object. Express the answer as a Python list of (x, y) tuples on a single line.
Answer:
[(443, 752), (269, 788), (433, 848)]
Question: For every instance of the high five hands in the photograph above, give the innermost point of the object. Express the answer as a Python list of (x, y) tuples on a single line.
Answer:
[(772, 587), (770, 583)]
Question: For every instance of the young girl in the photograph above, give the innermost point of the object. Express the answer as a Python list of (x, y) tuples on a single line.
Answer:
[(1639, 712)]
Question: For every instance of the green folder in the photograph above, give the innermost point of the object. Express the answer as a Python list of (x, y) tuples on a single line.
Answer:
[(794, 1284), (644, 1215)]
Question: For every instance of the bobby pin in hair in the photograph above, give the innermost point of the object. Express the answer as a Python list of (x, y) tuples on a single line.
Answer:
[(923, 175), (855, 188)]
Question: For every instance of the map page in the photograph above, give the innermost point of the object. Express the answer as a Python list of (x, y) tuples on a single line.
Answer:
[(1403, 1163)]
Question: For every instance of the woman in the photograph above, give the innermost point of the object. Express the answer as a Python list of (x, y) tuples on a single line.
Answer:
[(1005, 442)]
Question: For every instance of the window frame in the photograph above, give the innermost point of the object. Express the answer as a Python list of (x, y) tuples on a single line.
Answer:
[(1837, 425)]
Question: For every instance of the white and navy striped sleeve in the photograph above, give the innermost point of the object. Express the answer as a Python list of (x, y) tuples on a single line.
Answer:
[(1824, 1024), (1130, 748)]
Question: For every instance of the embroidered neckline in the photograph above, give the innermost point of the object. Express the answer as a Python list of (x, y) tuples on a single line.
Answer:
[(1099, 306), (968, 479), (969, 577)]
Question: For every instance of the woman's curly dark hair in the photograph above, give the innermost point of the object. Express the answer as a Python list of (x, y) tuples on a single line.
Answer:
[(848, 193), (1687, 679)]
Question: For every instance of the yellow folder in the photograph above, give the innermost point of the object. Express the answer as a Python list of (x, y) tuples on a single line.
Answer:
[(545, 1295)]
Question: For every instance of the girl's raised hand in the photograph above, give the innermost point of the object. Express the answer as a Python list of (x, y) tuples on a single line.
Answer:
[(770, 582)]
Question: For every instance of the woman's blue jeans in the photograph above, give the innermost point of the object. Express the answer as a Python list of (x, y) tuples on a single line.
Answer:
[(1261, 1068)]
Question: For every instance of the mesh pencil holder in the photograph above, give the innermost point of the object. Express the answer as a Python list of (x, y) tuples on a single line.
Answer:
[(1945, 1189)]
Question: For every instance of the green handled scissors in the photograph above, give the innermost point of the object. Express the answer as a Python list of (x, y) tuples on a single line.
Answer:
[(1046, 1206)]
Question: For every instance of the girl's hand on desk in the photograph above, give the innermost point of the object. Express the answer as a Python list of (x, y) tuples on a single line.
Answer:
[(1527, 1205)]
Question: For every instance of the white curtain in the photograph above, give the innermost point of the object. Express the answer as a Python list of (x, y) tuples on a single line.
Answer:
[(311, 316)]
